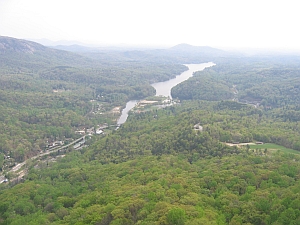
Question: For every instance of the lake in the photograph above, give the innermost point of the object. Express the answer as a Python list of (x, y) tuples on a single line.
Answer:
[(124, 114), (164, 88)]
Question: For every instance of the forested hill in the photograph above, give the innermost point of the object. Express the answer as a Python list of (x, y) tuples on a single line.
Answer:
[(48, 94), (204, 50), (182, 53), (8, 44), (271, 82), (159, 169), (27, 55), (186, 53), (208, 160)]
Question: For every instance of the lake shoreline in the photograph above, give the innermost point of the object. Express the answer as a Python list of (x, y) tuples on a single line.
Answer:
[(164, 88)]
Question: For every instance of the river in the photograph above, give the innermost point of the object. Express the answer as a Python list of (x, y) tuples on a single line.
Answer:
[(164, 88), (124, 114)]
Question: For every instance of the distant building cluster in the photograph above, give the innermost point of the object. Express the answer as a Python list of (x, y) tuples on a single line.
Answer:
[(92, 130)]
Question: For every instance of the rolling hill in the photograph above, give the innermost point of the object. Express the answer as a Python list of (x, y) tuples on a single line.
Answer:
[(158, 168), (23, 54)]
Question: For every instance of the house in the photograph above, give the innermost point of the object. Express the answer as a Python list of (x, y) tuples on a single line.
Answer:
[(82, 142), (90, 131), (57, 143), (198, 127), (77, 145), (82, 132), (167, 101), (99, 131), (4, 181), (103, 126)]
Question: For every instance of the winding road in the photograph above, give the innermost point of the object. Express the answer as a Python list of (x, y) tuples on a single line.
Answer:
[(20, 165)]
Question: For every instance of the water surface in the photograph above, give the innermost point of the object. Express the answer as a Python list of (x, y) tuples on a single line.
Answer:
[(164, 88), (124, 115)]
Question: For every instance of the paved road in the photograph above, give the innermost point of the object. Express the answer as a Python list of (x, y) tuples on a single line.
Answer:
[(19, 166), (57, 149), (2, 178)]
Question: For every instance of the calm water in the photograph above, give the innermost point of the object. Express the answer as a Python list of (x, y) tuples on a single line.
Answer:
[(124, 115), (164, 88)]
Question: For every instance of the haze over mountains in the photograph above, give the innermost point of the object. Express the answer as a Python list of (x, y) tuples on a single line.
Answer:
[(225, 151), (13, 50), (8, 44), (182, 53)]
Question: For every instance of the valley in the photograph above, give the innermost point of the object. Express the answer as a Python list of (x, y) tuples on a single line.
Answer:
[(77, 147)]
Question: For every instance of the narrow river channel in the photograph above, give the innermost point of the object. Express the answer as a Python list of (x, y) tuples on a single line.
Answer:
[(124, 114), (164, 88)]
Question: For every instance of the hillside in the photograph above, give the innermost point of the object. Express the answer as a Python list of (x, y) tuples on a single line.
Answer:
[(8, 44), (47, 94), (269, 82), (182, 53), (186, 53), (31, 56), (205, 50), (226, 153), (159, 170)]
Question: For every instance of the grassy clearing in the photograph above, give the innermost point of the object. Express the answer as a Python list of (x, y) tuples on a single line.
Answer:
[(274, 147)]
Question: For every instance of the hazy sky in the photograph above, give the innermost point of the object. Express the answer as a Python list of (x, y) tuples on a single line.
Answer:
[(216, 23)]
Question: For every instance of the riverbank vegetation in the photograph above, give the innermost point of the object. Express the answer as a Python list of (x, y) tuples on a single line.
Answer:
[(158, 168), (46, 94), (158, 164), (269, 82), (163, 166)]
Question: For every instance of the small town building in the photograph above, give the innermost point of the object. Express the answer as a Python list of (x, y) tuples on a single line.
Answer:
[(198, 127)]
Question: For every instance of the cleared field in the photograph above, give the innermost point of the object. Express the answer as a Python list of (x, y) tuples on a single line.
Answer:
[(274, 147)]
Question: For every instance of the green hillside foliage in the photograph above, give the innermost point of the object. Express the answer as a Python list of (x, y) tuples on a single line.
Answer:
[(171, 131), (223, 155), (202, 86), (244, 188), (271, 82), (45, 94), (156, 169)]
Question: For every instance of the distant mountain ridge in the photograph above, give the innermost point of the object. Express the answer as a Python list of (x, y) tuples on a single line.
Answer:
[(14, 50), (75, 48), (30, 54), (177, 48), (196, 49), (19, 45)]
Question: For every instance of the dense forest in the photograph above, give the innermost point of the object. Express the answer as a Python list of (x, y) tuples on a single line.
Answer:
[(227, 154), (157, 169), (269, 82), (46, 94)]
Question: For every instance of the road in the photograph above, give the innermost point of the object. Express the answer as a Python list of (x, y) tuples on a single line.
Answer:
[(57, 149), (2, 178), (20, 165)]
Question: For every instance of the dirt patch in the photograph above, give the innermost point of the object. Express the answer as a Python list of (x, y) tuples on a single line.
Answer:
[(240, 144), (116, 110)]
